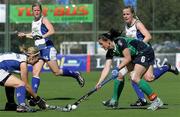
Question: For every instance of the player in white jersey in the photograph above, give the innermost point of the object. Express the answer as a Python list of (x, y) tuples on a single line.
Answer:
[(42, 29), (10, 62), (134, 28)]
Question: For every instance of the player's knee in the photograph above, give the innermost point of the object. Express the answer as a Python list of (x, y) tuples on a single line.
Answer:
[(19, 84), (36, 73), (57, 73), (149, 77), (134, 77)]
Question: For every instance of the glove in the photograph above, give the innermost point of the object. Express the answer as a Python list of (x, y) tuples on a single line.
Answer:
[(36, 37), (30, 99), (115, 72), (41, 102)]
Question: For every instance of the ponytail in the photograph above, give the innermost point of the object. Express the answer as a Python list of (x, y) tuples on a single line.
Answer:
[(30, 51)]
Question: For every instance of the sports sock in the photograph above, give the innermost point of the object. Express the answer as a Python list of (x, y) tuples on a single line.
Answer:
[(118, 87), (10, 94), (159, 71), (145, 87), (138, 91), (20, 94), (67, 72), (35, 84)]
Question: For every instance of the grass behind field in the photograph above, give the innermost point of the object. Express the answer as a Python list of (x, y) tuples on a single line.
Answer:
[(64, 90)]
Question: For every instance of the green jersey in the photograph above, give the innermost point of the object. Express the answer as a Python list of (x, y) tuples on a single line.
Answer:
[(135, 46)]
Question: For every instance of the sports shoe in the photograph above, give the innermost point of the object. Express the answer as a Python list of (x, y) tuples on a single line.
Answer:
[(80, 79), (155, 104), (172, 69), (10, 106), (25, 108), (110, 103), (140, 102)]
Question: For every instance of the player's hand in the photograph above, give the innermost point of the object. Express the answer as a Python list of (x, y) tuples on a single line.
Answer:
[(115, 72), (98, 86), (41, 102), (36, 37)]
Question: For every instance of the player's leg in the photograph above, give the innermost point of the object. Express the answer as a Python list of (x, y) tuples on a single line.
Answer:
[(10, 104), (159, 71), (36, 73), (51, 59), (117, 90), (141, 97), (65, 72), (151, 75), (139, 70), (11, 81), (172, 68), (35, 81), (118, 87)]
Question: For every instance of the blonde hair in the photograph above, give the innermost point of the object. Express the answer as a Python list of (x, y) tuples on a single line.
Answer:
[(132, 11), (30, 51)]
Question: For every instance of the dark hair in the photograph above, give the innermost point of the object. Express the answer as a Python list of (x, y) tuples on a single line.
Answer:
[(37, 4), (111, 35)]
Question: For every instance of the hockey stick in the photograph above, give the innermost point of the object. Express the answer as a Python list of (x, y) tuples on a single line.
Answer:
[(75, 104), (59, 108)]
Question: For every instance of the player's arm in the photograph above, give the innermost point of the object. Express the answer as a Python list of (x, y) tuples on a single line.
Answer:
[(126, 53), (49, 26), (105, 71), (26, 35), (24, 77), (144, 31), (126, 59)]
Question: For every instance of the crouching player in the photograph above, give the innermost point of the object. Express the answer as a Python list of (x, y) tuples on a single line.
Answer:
[(10, 62)]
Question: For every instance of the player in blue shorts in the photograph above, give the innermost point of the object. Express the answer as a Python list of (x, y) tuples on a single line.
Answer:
[(137, 57), (13, 62), (42, 29), (134, 28)]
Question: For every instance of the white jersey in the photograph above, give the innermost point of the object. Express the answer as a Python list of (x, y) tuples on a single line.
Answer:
[(11, 61), (38, 28), (133, 32)]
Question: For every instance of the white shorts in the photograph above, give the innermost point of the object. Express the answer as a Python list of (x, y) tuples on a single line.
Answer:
[(3, 76)]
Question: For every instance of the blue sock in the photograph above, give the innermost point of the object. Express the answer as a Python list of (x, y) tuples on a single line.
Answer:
[(35, 84), (67, 72), (138, 91), (20, 94), (159, 71)]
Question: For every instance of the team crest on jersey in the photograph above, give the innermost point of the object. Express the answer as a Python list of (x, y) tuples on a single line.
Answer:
[(120, 43)]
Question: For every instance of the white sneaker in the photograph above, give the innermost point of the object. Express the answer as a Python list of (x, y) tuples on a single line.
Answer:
[(155, 104)]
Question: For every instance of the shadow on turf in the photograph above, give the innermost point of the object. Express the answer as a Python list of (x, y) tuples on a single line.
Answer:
[(122, 108), (60, 98)]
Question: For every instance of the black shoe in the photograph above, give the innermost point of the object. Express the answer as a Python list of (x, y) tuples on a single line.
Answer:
[(111, 104), (172, 69), (32, 101), (80, 79), (140, 102), (10, 106), (21, 108)]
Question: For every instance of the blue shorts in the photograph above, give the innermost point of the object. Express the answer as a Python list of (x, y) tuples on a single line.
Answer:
[(48, 54)]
